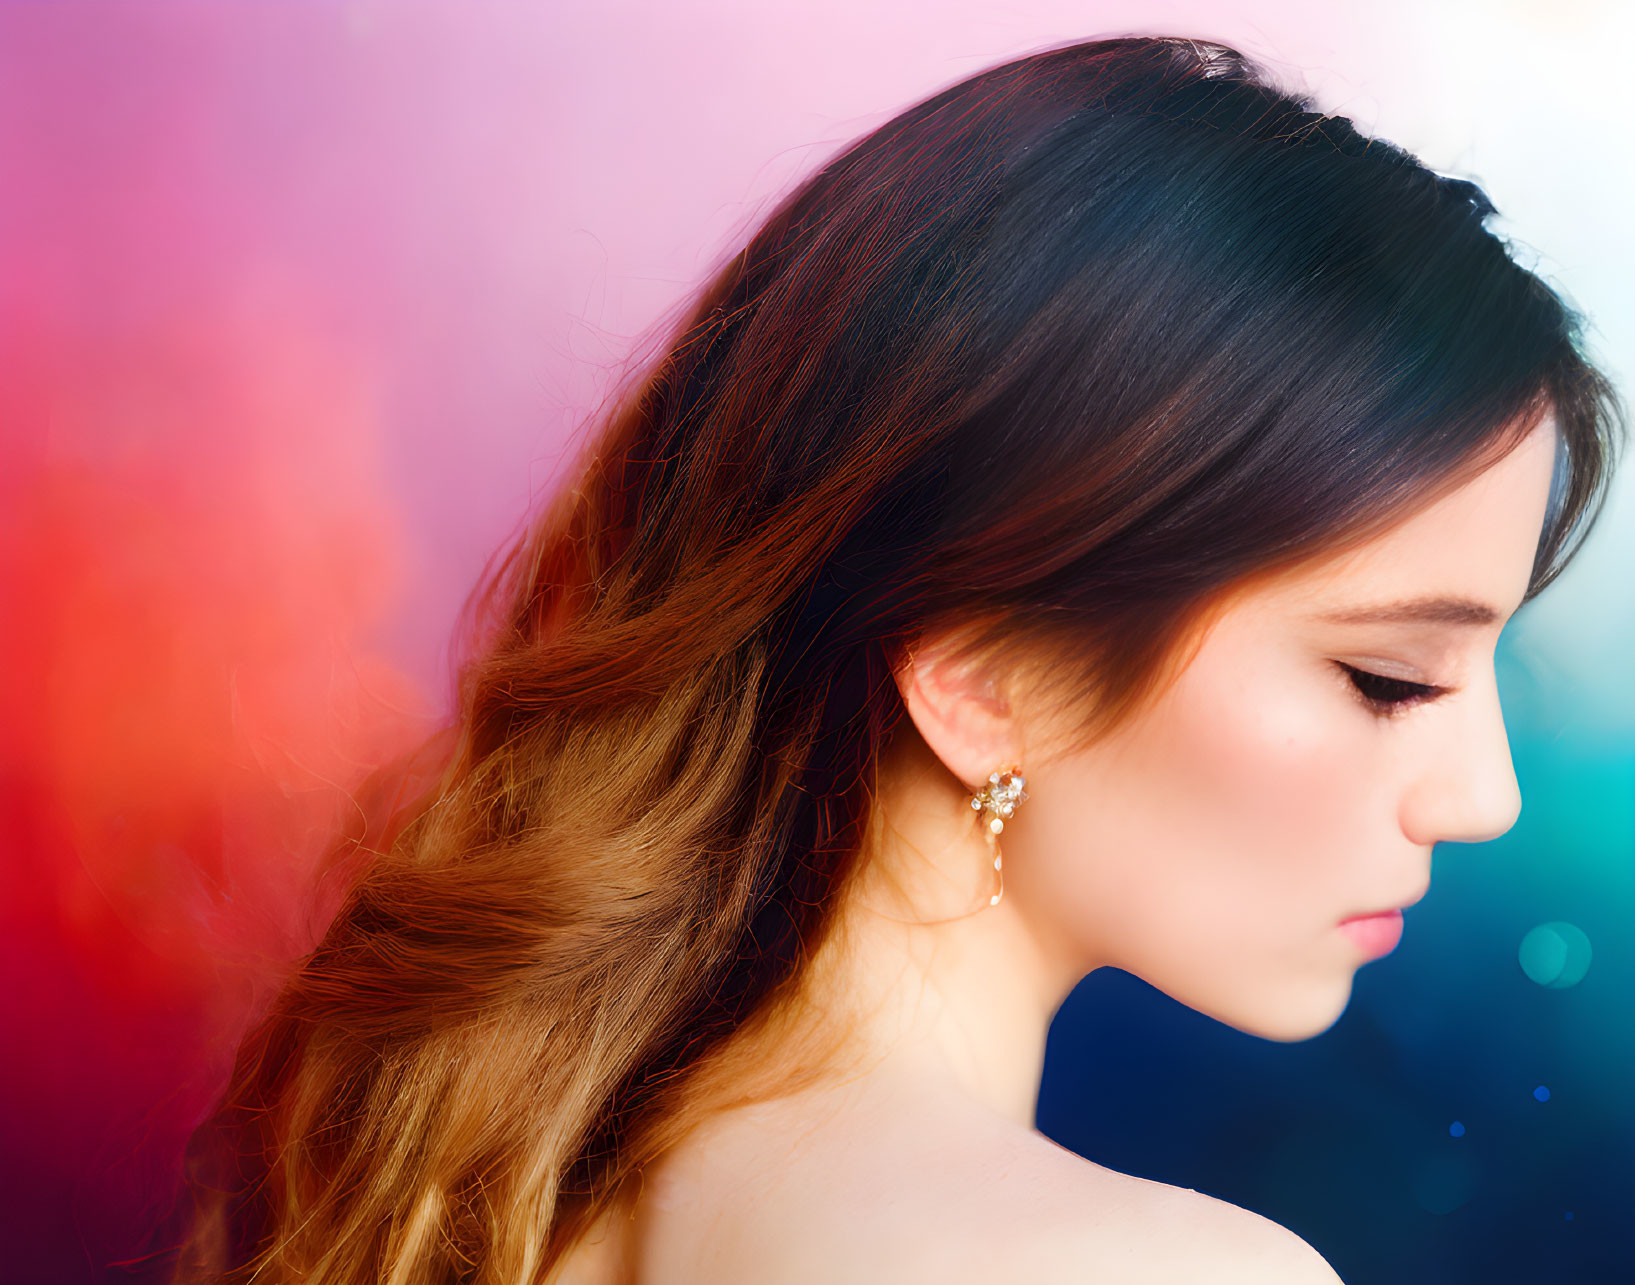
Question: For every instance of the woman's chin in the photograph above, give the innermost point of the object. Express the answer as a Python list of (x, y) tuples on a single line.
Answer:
[(1287, 1017), (1300, 1016)]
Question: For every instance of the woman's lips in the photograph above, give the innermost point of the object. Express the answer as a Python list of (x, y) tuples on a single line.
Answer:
[(1376, 934)]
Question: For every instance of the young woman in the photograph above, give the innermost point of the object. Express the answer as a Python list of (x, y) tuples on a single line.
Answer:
[(1073, 532)]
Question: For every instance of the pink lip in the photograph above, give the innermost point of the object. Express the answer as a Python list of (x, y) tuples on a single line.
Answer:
[(1377, 934)]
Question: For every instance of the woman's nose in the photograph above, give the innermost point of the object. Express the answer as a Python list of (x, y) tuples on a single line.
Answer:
[(1466, 791)]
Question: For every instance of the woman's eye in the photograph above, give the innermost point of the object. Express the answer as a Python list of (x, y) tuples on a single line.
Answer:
[(1385, 695)]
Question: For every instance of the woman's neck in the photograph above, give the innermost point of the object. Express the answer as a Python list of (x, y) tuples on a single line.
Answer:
[(935, 980)]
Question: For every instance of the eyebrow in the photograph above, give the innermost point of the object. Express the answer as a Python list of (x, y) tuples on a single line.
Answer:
[(1419, 611)]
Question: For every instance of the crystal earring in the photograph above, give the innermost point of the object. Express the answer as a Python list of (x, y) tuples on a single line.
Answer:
[(999, 799)]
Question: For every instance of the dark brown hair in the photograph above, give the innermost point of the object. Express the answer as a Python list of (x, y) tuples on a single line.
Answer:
[(1053, 361)]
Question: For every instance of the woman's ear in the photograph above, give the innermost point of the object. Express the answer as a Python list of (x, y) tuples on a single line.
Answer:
[(956, 708)]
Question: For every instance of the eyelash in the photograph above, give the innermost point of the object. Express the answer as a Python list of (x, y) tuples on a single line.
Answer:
[(1387, 696)]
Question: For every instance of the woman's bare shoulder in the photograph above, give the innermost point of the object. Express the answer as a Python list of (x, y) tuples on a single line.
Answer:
[(1009, 1205), (1064, 1220), (1151, 1232), (963, 1200)]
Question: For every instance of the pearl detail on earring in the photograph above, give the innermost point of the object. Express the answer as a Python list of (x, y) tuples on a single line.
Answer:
[(999, 799)]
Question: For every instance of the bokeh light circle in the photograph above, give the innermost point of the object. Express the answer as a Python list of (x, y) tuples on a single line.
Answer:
[(1555, 954)]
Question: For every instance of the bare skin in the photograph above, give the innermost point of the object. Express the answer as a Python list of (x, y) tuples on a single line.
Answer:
[(1211, 847)]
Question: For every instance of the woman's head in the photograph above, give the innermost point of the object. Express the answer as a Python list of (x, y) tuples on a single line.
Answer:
[(1333, 724), (1073, 368)]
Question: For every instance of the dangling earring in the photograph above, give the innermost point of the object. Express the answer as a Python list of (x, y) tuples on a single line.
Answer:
[(999, 799)]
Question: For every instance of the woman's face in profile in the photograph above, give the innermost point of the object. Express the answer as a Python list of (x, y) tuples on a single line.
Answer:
[(1214, 845)]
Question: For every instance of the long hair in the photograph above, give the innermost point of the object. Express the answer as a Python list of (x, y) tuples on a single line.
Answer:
[(1051, 362)]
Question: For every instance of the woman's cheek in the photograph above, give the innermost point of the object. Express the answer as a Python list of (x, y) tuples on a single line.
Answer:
[(1261, 749)]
